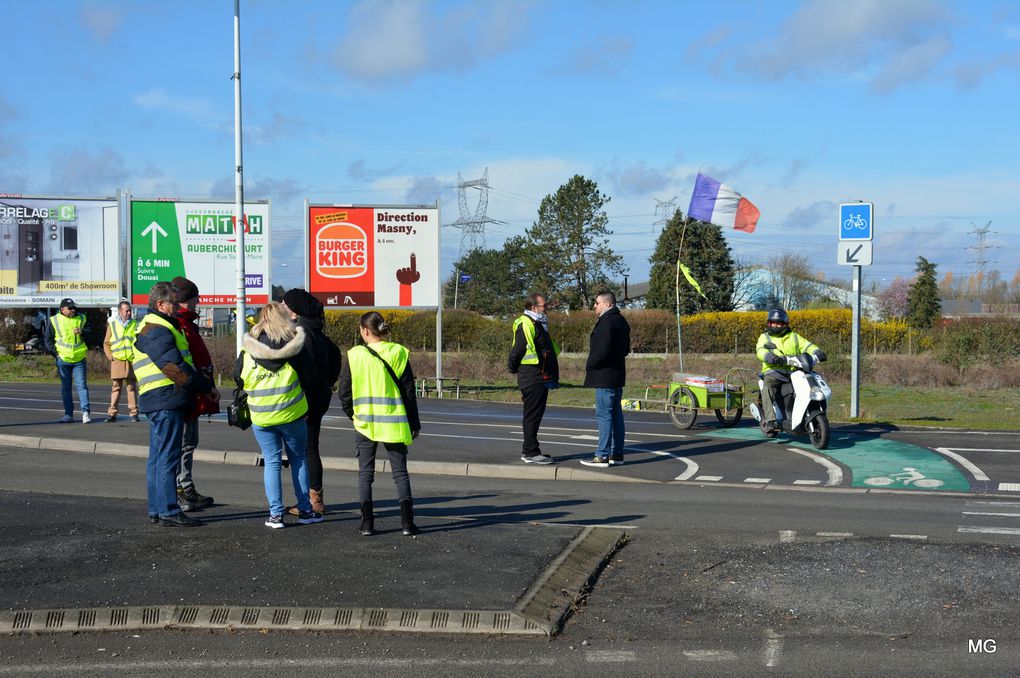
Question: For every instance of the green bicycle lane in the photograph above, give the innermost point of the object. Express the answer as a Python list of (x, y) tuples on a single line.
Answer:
[(874, 462)]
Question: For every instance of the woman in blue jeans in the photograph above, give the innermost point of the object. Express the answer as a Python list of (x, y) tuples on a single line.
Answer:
[(268, 371)]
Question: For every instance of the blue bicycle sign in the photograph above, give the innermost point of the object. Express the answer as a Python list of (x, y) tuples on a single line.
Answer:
[(855, 221)]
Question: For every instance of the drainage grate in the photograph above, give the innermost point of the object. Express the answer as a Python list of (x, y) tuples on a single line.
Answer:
[(281, 616), (377, 618), (313, 617), (440, 620), (219, 615), (119, 617), (408, 618), (150, 616), (500, 621), (470, 620), (86, 618), (187, 615), (343, 617), (250, 615)]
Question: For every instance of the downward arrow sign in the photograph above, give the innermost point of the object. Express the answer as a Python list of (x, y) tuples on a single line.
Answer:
[(851, 257), (155, 229)]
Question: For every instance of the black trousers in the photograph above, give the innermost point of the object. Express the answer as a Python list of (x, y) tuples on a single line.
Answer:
[(366, 466), (313, 461), (534, 398)]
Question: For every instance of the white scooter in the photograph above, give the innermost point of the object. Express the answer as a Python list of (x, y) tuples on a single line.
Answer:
[(801, 404)]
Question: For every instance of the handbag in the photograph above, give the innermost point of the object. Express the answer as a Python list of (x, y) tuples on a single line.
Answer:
[(238, 413)]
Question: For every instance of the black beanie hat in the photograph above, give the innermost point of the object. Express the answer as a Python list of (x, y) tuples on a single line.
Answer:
[(303, 303), (186, 289)]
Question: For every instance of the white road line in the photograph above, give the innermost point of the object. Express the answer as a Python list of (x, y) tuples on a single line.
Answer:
[(1009, 487), (807, 482), (710, 655), (213, 665), (988, 530), (773, 648), (710, 479), (759, 481), (991, 513), (787, 536), (978, 449), (993, 503), (608, 656), (834, 534), (833, 470), (918, 537), (964, 462)]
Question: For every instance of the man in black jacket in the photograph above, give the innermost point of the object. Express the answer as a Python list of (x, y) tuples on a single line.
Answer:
[(533, 360), (606, 372), (324, 355)]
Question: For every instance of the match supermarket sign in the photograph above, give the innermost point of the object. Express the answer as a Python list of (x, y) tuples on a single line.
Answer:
[(373, 256), (198, 240)]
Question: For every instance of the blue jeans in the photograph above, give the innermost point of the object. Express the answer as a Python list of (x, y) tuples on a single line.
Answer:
[(609, 415), (166, 427), (274, 440), (75, 372)]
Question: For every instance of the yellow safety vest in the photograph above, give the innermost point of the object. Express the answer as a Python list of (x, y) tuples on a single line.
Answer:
[(148, 375), (789, 344), (274, 398), (379, 412), (122, 338), (531, 355), (71, 347)]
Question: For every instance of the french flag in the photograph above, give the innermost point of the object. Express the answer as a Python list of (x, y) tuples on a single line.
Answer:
[(719, 204)]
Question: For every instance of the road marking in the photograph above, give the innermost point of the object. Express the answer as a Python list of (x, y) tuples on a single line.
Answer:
[(1009, 487), (773, 648), (710, 655), (607, 656), (807, 482), (991, 513), (834, 472), (993, 503), (582, 437), (710, 479), (988, 530), (976, 449), (964, 462), (918, 537), (213, 665), (840, 535), (787, 536), (761, 481)]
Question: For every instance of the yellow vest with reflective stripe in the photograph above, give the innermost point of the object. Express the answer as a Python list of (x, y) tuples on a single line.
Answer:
[(148, 375), (531, 355), (274, 398), (379, 412), (70, 346), (122, 338)]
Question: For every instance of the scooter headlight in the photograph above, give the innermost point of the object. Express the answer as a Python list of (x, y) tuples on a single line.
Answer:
[(817, 393)]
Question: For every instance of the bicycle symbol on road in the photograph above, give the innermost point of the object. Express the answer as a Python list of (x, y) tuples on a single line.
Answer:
[(855, 221), (909, 476)]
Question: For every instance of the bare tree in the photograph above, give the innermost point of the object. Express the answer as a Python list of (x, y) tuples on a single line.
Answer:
[(791, 282)]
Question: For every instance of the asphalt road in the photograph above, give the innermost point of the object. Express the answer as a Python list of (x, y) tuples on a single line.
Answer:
[(715, 580)]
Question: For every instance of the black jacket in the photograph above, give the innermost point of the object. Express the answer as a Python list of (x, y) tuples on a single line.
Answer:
[(324, 358), (609, 347), (548, 367), (273, 355)]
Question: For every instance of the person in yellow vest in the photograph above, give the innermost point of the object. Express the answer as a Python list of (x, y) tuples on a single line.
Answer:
[(533, 360), (268, 369), (774, 345), (119, 348), (64, 338), (377, 393), (167, 383)]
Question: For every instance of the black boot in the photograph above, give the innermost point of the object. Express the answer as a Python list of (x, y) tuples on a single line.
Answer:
[(407, 518), (367, 519)]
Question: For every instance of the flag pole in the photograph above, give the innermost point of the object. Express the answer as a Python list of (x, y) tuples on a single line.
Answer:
[(679, 341)]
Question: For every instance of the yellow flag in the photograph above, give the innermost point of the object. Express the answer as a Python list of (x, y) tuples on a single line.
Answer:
[(691, 280)]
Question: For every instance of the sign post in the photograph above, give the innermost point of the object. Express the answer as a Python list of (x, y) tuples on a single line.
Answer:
[(856, 230)]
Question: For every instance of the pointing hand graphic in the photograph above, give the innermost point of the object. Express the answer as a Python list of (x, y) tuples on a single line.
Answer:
[(410, 274)]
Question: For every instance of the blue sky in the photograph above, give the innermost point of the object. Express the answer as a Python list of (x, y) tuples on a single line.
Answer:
[(798, 105)]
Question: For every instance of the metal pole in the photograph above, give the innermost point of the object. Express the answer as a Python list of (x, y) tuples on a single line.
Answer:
[(239, 224), (456, 288), (855, 346), (439, 308)]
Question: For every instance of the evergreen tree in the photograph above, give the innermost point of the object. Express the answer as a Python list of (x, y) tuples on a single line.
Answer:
[(499, 280), (923, 304), (706, 253), (569, 252)]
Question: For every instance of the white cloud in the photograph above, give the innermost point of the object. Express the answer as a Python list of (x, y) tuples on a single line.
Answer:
[(603, 55), (397, 40), (80, 170), (101, 20), (199, 112)]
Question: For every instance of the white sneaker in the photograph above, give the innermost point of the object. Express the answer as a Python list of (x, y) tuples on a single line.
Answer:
[(85, 418), (66, 419), (537, 459)]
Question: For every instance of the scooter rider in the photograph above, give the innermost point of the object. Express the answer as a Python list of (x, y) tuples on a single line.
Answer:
[(774, 345)]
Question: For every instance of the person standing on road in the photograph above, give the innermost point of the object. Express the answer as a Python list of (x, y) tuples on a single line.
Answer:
[(65, 340), (118, 346), (377, 394), (774, 345), (188, 497), (167, 384), (268, 369), (306, 312), (606, 372), (533, 360)]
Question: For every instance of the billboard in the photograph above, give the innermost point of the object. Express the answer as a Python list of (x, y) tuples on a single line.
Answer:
[(53, 247), (198, 240), (373, 256)]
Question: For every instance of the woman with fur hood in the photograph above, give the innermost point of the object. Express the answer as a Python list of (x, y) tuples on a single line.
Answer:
[(268, 369)]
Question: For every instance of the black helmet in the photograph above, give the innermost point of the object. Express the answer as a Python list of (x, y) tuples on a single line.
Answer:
[(778, 322)]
